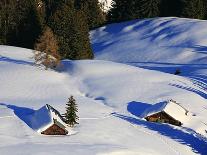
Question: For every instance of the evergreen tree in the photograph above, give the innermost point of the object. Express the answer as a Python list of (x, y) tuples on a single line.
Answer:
[(51, 6), (71, 29), (92, 10), (19, 23), (71, 110), (195, 9), (41, 12), (8, 20), (29, 25), (150, 8), (47, 49), (123, 10)]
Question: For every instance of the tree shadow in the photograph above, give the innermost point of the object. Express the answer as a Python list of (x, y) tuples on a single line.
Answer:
[(202, 94), (187, 70), (22, 113), (7, 59), (195, 48), (137, 108), (196, 142)]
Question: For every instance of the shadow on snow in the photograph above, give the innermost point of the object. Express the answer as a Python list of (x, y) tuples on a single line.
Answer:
[(7, 59), (199, 92), (137, 108), (22, 112), (187, 70)]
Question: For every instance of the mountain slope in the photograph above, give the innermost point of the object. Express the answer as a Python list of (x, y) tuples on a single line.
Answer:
[(162, 44), (158, 40)]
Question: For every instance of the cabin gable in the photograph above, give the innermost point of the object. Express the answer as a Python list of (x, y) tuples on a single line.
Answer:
[(163, 117), (54, 130)]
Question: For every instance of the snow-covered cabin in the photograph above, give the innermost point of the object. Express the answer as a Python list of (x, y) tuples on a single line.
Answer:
[(48, 121), (166, 112)]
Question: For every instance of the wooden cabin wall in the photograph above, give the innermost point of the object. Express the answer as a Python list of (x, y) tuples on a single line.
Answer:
[(163, 117), (55, 130)]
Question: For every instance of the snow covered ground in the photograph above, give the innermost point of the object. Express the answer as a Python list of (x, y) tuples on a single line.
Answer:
[(112, 92), (163, 44)]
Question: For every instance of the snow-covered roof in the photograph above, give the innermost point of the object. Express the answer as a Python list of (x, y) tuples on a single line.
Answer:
[(172, 108), (45, 117)]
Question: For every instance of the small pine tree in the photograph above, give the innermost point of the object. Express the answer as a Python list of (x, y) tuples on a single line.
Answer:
[(71, 117), (47, 49)]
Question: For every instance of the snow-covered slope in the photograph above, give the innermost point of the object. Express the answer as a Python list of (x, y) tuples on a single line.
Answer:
[(111, 98), (158, 40), (163, 44)]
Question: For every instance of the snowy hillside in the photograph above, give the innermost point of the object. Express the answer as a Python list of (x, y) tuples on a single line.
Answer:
[(161, 40), (163, 44), (112, 96)]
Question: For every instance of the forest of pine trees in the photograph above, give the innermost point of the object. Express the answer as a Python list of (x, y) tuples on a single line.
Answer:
[(23, 22), (123, 10)]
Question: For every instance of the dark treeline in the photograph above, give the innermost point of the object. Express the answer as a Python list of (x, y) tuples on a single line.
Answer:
[(24, 22), (132, 9)]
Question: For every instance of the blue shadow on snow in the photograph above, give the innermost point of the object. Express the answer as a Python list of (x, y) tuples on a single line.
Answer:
[(7, 59), (22, 112), (137, 108), (202, 94)]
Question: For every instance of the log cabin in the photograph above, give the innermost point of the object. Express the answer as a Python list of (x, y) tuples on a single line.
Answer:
[(169, 112)]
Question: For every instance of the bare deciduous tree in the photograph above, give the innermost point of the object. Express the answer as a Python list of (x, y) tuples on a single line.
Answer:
[(47, 50)]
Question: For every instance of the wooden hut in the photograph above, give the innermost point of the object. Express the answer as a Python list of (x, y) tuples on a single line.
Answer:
[(55, 129), (166, 112), (48, 121)]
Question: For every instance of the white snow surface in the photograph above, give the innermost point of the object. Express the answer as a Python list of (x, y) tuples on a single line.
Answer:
[(111, 96), (157, 40)]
